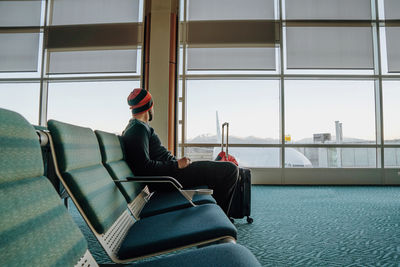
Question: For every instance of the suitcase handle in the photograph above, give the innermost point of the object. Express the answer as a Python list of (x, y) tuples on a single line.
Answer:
[(227, 137)]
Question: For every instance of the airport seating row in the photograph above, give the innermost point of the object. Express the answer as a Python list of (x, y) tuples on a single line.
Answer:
[(113, 159), (37, 230)]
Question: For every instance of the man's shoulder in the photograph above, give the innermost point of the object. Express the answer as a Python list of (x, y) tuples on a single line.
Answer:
[(135, 127)]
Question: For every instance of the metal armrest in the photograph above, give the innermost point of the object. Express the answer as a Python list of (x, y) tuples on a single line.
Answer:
[(188, 194), (155, 179)]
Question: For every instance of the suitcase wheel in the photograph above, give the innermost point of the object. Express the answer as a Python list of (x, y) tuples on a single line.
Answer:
[(249, 219)]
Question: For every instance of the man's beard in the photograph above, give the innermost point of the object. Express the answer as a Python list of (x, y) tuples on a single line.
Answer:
[(150, 115)]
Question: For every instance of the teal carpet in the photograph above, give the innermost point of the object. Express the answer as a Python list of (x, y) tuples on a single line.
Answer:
[(315, 226)]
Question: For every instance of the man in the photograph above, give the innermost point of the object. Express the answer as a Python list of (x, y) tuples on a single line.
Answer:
[(146, 155)]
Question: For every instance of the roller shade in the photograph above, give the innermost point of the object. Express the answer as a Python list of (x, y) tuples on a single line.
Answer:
[(96, 35), (329, 48), (328, 9), (231, 35), (237, 58), (102, 61), (230, 9), (392, 48), (20, 13), (19, 51), (67, 12), (231, 32), (392, 9)]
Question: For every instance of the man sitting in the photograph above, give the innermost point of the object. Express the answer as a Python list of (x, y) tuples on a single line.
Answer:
[(147, 156)]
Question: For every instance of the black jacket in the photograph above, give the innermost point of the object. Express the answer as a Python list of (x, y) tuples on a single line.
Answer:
[(144, 153)]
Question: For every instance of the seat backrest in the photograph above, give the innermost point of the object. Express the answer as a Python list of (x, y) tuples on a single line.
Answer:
[(35, 227), (113, 159), (79, 163)]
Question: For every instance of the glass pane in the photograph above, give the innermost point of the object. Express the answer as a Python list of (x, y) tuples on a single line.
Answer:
[(357, 157), (99, 105), (20, 13), (329, 48), (254, 157), (392, 157), (392, 9), (261, 157), (230, 9), (342, 110), (391, 111), (328, 9), (179, 152), (22, 98), (19, 51), (250, 106), (68, 12), (330, 157), (93, 61), (260, 58), (392, 48)]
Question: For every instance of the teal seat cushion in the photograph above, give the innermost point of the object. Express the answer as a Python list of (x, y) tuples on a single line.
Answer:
[(97, 195), (221, 255), (113, 159), (76, 147), (162, 202), (35, 227), (79, 159), (119, 170), (110, 146), (20, 155), (176, 229)]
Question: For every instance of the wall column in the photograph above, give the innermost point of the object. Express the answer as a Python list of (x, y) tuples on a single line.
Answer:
[(161, 78)]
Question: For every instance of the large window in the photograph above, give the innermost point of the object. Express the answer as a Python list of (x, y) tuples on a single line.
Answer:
[(391, 95), (70, 60), (21, 97), (315, 107), (391, 111), (303, 83), (99, 105), (241, 103)]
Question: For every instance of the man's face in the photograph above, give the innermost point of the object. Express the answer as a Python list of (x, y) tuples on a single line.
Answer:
[(151, 114)]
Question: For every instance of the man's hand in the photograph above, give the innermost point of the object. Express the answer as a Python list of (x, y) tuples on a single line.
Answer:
[(183, 162)]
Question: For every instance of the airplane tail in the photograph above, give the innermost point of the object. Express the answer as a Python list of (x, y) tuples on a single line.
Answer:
[(219, 137)]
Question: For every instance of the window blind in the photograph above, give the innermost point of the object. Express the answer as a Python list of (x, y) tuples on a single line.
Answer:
[(329, 48), (19, 51), (93, 61), (20, 13), (230, 9), (67, 12), (392, 48), (392, 9), (231, 58), (328, 9)]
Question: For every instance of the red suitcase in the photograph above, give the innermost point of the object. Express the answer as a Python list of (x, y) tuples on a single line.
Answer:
[(240, 205)]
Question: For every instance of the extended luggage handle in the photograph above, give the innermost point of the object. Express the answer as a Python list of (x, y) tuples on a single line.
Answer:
[(227, 137)]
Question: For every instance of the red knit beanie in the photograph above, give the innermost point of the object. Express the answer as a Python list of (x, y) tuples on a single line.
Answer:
[(140, 101)]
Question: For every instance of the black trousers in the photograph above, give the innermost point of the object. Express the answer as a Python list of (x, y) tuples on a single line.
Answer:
[(217, 175)]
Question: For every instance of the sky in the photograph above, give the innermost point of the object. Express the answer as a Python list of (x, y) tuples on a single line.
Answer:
[(98, 105)]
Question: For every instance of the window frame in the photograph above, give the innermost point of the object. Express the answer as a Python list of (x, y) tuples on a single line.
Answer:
[(377, 24)]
